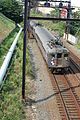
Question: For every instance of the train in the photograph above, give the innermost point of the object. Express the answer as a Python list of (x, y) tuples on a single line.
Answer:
[(54, 53)]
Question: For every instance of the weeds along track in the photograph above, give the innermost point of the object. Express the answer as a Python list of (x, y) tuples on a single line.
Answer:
[(67, 99)]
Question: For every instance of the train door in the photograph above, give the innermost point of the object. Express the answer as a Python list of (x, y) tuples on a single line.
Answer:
[(59, 59)]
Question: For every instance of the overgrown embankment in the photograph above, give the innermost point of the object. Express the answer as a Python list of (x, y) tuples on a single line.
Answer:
[(11, 107), (6, 26), (4, 47)]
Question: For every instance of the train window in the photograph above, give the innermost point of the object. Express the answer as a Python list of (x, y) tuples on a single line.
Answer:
[(53, 55), (59, 55), (46, 4), (65, 55)]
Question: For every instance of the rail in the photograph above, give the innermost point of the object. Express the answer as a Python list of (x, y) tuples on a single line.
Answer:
[(6, 62)]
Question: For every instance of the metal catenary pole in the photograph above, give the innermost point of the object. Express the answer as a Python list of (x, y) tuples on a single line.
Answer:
[(68, 16), (24, 48)]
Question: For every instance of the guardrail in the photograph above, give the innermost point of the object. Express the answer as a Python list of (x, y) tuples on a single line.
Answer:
[(6, 62)]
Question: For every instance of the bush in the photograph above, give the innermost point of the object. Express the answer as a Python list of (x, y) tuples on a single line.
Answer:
[(11, 9)]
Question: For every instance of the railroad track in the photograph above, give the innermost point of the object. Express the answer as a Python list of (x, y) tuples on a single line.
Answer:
[(75, 60), (64, 85), (77, 66), (67, 100), (74, 66)]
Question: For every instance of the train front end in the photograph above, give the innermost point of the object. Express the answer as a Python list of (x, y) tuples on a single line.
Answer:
[(58, 59)]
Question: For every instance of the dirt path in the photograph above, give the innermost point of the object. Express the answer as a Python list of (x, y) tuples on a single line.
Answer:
[(45, 101)]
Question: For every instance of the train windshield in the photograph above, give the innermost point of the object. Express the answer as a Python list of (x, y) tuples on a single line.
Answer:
[(59, 55), (66, 55), (53, 55)]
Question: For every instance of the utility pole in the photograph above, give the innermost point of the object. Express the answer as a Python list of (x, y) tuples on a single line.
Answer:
[(60, 8), (29, 7), (24, 47), (68, 16)]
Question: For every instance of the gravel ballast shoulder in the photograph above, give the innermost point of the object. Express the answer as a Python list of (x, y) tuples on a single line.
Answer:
[(45, 101)]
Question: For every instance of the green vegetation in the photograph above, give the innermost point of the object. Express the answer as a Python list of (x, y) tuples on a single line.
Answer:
[(6, 26), (11, 107), (35, 13), (74, 28), (55, 13), (4, 47), (11, 9), (78, 45), (10, 98)]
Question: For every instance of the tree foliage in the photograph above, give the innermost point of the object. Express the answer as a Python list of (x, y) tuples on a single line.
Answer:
[(75, 26), (11, 9), (55, 13)]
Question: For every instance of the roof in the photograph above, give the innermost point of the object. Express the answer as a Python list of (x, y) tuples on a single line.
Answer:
[(46, 37)]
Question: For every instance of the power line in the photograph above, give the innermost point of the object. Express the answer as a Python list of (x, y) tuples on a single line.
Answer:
[(51, 18)]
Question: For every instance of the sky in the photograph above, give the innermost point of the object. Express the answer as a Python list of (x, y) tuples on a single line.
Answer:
[(75, 3)]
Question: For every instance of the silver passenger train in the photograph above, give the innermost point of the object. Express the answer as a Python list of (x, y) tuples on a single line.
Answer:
[(55, 55)]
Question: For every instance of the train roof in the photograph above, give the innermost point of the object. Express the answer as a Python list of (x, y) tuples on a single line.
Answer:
[(46, 37), (34, 23), (44, 33)]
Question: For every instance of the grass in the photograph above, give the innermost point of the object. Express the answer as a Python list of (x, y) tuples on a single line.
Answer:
[(11, 107), (6, 26), (36, 14), (4, 47), (78, 44)]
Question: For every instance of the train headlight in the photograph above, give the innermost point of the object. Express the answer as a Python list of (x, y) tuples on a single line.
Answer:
[(52, 62), (66, 58)]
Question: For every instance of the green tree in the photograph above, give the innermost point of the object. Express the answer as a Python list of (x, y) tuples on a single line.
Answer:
[(75, 26), (11, 9), (55, 13), (76, 14)]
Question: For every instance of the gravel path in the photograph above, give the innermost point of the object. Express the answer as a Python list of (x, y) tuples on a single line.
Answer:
[(45, 101)]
